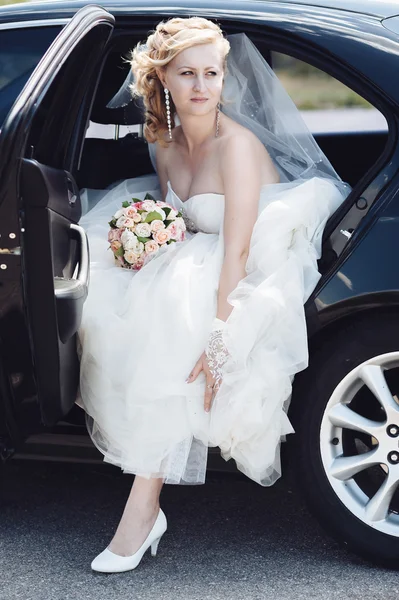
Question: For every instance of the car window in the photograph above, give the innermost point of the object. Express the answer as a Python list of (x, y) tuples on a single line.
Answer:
[(326, 104), (20, 52), (350, 131)]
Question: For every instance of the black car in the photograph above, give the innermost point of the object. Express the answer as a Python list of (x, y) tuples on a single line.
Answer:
[(60, 63)]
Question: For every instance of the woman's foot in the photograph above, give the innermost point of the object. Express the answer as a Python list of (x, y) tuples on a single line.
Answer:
[(133, 529), (109, 562)]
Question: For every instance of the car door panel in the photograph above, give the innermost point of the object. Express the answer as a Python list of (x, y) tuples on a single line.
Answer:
[(40, 201)]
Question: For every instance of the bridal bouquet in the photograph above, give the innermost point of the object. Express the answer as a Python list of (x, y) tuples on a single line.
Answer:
[(141, 228)]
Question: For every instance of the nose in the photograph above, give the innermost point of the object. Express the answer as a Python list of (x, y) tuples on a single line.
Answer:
[(199, 84)]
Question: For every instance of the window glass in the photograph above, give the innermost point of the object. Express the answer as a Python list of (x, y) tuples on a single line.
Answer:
[(327, 105), (20, 52)]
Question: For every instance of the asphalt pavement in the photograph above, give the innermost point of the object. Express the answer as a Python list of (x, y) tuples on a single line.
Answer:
[(229, 539)]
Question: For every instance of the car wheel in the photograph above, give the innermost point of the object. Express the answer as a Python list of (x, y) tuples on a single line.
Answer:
[(347, 438)]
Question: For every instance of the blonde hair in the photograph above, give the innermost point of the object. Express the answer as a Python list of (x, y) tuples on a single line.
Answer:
[(162, 45)]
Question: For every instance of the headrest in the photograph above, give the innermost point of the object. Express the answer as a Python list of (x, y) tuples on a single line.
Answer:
[(113, 75)]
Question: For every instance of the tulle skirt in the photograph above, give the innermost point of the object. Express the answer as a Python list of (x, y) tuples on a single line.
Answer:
[(142, 333)]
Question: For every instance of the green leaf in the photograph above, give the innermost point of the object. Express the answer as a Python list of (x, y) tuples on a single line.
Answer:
[(125, 204), (119, 252), (112, 224), (168, 222), (149, 197), (153, 216), (143, 239), (166, 211)]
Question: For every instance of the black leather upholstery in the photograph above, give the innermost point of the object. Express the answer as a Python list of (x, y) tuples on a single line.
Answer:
[(107, 160)]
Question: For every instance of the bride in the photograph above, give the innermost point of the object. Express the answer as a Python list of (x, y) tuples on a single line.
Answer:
[(200, 347)]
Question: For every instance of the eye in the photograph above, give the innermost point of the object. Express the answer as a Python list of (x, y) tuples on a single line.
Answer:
[(212, 73), (186, 73)]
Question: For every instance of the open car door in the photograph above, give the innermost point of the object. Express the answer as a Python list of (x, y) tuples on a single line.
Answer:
[(44, 260)]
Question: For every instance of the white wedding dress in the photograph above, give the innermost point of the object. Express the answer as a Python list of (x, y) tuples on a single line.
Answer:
[(142, 333)]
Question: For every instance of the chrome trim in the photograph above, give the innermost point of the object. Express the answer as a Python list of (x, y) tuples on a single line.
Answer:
[(346, 233), (15, 250), (36, 23)]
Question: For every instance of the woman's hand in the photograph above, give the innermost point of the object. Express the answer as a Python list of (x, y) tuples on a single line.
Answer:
[(211, 387), (212, 361)]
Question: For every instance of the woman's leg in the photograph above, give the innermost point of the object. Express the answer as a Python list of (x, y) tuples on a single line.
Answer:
[(138, 517)]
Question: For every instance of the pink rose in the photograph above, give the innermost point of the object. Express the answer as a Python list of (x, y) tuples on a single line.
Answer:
[(174, 230), (137, 218), (162, 236), (112, 235), (118, 234), (115, 245), (129, 222), (151, 247), (157, 225), (130, 211)]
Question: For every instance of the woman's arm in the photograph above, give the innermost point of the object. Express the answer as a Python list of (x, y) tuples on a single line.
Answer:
[(241, 172), (244, 169)]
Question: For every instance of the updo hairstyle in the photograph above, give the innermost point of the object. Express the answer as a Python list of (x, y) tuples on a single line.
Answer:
[(162, 45)]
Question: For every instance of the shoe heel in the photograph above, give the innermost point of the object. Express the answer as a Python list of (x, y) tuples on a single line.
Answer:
[(154, 546)]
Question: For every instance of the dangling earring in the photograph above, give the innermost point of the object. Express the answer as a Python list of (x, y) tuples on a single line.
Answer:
[(217, 119), (168, 112)]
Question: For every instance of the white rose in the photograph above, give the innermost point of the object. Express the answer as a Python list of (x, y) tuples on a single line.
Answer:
[(139, 248), (121, 220), (143, 230), (130, 256), (180, 223), (172, 214), (128, 238), (119, 213), (148, 205)]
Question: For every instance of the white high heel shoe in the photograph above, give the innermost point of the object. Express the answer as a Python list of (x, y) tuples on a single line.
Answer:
[(109, 562)]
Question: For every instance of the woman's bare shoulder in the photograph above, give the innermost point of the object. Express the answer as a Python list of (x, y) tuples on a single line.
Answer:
[(241, 146)]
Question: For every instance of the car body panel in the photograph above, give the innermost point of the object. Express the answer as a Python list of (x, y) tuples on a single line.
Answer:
[(377, 8), (392, 23)]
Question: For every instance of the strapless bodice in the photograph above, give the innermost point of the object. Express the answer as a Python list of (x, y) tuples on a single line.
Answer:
[(205, 210)]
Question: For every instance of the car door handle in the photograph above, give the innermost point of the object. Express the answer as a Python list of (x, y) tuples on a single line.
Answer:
[(71, 293), (83, 273)]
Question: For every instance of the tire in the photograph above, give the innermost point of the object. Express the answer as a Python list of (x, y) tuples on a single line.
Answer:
[(350, 500)]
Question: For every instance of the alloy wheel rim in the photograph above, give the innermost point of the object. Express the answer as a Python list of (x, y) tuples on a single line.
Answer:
[(341, 422)]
